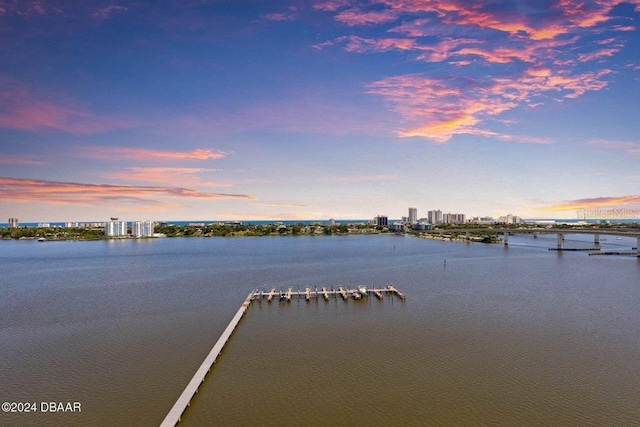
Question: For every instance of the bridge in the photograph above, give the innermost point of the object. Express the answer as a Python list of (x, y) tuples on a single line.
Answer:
[(560, 232)]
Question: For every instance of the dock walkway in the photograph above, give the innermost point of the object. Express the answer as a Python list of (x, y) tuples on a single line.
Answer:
[(184, 401), (174, 415)]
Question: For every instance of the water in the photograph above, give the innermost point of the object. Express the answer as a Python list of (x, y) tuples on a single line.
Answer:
[(517, 335)]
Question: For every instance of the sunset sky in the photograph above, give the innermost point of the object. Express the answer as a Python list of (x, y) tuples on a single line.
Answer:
[(250, 110)]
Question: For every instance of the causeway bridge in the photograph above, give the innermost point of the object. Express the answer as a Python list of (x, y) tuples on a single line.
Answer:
[(560, 232)]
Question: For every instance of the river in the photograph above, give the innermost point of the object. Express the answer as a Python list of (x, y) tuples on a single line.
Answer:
[(496, 335)]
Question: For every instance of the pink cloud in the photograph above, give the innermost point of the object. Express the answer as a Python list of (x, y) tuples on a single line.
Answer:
[(362, 45), (45, 8), (142, 154), (30, 8), (25, 109), (594, 202), (624, 28), (109, 11), (584, 57), (40, 191), (629, 147), (330, 5), (192, 177), (278, 17), (353, 17), (9, 159), (439, 108), (542, 40), (518, 19)]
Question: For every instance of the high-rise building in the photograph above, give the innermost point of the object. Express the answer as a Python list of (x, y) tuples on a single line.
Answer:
[(413, 215), (115, 228), (453, 218), (434, 217), (142, 228), (13, 222), (381, 221)]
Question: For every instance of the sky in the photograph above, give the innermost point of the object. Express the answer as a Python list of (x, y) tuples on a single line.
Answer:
[(346, 109)]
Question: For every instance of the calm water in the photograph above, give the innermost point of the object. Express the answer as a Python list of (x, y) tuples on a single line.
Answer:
[(499, 336)]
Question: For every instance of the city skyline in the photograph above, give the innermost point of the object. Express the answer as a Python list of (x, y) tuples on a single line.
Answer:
[(303, 110)]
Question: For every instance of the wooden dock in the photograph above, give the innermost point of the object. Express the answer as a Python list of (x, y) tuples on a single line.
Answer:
[(174, 415), (392, 289), (342, 292), (184, 401)]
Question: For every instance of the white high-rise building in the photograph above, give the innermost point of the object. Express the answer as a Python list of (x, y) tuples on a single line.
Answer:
[(115, 228), (434, 217), (413, 215), (13, 222), (142, 228)]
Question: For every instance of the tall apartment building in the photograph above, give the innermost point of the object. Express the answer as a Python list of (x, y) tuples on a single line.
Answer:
[(381, 221), (13, 222), (115, 228), (453, 218), (413, 215), (434, 217), (142, 228)]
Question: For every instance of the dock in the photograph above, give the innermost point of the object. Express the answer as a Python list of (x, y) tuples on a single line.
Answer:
[(345, 293), (392, 289), (174, 415), (184, 401)]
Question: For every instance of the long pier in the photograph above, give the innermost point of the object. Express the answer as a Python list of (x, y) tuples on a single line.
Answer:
[(174, 415), (184, 401)]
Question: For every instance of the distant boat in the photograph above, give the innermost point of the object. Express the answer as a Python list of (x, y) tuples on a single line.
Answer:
[(618, 238), (42, 239), (363, 290)]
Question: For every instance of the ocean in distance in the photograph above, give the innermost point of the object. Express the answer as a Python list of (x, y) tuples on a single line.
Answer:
[(514, 335)]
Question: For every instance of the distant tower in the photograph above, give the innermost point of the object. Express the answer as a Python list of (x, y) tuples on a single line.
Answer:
[(13, 222), (142, 228), (382, 221), (115, 228), (435, 217), (413, 216)]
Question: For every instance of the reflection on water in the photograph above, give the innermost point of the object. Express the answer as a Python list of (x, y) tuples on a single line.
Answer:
[(516, 335)]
